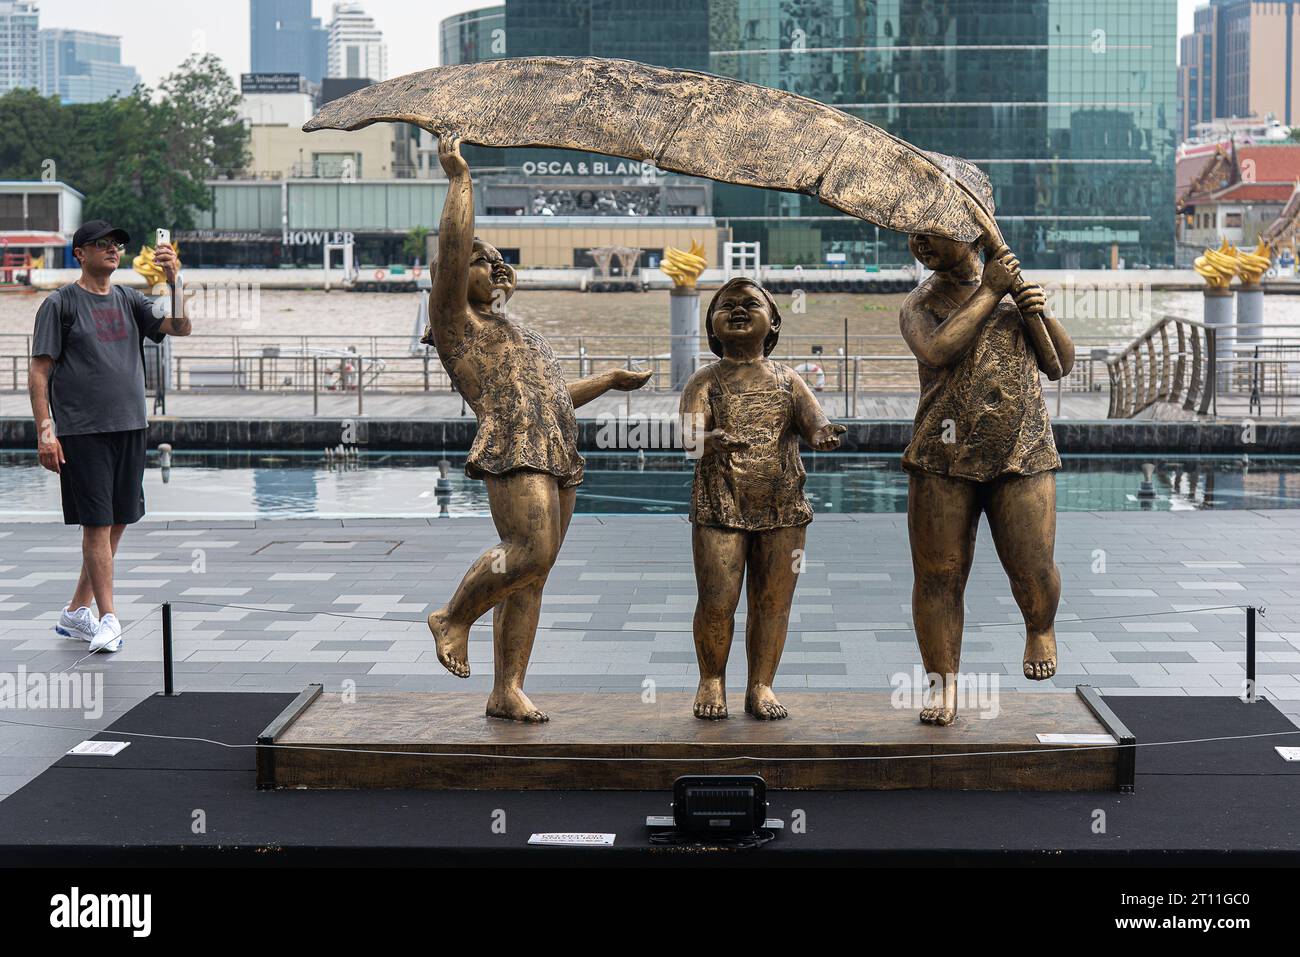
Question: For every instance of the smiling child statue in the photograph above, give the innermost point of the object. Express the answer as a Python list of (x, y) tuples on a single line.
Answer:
[(744, 416)]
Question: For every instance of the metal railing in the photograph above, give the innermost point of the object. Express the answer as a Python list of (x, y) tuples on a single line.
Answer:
[(1174, 361), (1177, 362), (1197, 367)]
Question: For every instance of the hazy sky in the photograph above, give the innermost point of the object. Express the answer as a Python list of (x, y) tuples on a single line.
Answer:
[(158, 36)]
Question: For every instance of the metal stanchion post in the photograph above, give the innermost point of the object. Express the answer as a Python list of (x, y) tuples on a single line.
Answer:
[(169, 686), (1251, 696)]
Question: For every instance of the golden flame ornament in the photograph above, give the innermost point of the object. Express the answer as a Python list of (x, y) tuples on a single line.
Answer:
[(1217, 266), (684, 268), (146, 266), (1251, 266)]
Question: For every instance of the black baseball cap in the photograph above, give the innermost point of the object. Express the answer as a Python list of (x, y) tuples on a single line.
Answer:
[(98, 229)]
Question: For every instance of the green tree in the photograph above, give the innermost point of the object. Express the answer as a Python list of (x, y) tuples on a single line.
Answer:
[(141, 160), (203, 116), (416, 244)]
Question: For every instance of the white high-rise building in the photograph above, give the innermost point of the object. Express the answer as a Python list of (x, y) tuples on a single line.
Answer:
[(356, 46), (20, 45)]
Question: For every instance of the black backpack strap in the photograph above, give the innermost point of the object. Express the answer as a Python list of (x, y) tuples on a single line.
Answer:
[(67, 319)]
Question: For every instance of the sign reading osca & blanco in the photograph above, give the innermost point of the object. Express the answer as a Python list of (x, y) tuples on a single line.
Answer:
[(308, 238), (598, 168)]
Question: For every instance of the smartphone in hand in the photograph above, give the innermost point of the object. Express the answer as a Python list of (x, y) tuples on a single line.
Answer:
[(164, 237)]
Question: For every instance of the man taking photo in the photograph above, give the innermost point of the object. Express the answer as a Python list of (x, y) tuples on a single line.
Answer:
[(86, 383)]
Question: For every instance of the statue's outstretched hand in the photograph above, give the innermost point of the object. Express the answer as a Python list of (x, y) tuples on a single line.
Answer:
[(453, 164), (629, 380), (827, 438)]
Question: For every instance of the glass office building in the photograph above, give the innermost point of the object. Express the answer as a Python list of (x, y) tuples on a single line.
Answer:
[(285, 38), (473, 36), (1069, 105)]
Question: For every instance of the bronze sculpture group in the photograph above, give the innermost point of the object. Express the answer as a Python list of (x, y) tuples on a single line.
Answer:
[(982, 441)]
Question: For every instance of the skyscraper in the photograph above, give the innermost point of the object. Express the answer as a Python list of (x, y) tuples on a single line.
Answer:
[(1241, 60), (1069, 106), (79, 66), (473, 36), (286, 38), (20, 46), (356, 47)]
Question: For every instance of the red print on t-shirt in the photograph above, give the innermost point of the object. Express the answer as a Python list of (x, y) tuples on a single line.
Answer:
[(110, 323)]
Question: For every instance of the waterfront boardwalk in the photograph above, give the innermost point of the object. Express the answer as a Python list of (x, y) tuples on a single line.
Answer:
[(275, 605)]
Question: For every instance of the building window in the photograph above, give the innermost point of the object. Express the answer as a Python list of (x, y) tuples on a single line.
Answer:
[(43, 211), (11, 211), (1232, 220)]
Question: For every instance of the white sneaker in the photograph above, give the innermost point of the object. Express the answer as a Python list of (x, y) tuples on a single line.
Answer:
[(109, 635), (81, 623)]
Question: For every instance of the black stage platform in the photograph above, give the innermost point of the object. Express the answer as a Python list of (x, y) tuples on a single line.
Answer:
[(1207, 804)]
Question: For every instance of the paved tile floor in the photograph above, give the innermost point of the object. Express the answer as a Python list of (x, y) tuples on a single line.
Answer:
[(275, 605)]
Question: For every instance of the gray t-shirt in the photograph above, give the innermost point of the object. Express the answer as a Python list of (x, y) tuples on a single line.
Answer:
[(98, 379)]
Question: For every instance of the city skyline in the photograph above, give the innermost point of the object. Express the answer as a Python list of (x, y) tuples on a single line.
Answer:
[(157, 45)]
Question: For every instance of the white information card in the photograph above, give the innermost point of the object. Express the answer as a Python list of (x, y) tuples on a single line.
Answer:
[(573, 839), (99, 748), (1076, 739)]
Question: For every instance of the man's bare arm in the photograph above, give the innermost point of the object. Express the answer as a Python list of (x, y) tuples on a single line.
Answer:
[(179, 324), (48, 448), (448, 299)]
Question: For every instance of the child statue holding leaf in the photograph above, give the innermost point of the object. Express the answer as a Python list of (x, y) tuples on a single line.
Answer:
[(525, 449), (981, 444)]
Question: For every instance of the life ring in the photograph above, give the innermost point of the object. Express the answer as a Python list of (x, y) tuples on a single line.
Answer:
[(379, 275), (806, 369)]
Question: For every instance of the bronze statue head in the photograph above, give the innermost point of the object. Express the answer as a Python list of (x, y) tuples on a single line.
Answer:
[(491, 279), (751, 313), (940, 253)]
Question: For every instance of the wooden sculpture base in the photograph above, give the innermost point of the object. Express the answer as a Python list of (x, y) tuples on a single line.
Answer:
[(831, 741)]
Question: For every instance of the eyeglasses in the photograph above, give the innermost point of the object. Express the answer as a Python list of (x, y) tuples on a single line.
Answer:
[(103, 245)]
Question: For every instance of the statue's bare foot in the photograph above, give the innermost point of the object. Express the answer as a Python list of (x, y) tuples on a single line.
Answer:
[(711, 699), (762, 704), (940, 716), (513, 705), (453, 650), (1040, 655), (942, 706)]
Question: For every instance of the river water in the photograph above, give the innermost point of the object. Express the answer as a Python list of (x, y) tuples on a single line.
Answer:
[(605, 323)]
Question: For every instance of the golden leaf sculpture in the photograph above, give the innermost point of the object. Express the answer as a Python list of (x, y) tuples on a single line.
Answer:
[(698, 124)]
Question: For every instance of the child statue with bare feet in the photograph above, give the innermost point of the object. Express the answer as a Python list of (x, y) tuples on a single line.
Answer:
[(982, 444), (525, 450), (743, 416)]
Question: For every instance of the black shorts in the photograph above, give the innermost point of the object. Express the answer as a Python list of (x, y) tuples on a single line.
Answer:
[(102, 479)]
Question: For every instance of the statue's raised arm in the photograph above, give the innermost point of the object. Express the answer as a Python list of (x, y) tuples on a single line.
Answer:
[(449, 313)]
